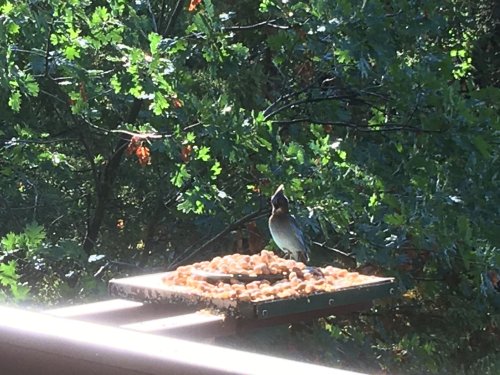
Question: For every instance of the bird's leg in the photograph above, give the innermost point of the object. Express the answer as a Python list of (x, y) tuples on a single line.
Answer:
[(315, 271)]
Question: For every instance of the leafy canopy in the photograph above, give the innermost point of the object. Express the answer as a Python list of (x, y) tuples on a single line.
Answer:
[(141, 134)]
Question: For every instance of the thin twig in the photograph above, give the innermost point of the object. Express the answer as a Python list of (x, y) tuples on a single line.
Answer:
[(155, 28), (344, 257), (371, 93), (53, 96), (410, 117), (282, 27), (15, 141), (90, 158), (339, 252), (55, 221), (389, 15), (192, 126), (34, 51), (47, 51), (256, 25), (35, 202)]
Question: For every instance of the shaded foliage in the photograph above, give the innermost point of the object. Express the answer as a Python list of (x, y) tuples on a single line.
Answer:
[(138, 135)]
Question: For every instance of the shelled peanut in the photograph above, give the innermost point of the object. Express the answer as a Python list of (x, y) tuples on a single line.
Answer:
[(297, 280)]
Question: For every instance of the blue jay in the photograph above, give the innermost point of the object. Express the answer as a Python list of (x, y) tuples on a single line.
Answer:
[(285, 230)]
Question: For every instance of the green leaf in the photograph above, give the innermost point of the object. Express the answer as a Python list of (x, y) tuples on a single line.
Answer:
[(15, 101), (20, 292), (31, 85), (265, 143), (240, 50), (115, 84), (378, 117), (464, 229), (216, 170), (9, 278), (394, 219), (294, 150), (260, 118), (483, 147), (342, 154), (186, 206), (71, 53), (6, 8), (9, 241), (203, 153), (34, 235), (180, 176), (391, 201), (159, 103), (99, 16), (154, 42), (343, 56), (66, 249), (54, 39), (137, 90), (13, 28), (8, 273)]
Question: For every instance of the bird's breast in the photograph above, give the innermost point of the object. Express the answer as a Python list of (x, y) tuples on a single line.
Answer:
[(284, 234)]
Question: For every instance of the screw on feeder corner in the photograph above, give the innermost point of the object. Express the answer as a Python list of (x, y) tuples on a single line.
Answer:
[(331, 301), (392, 291), (264, 313)]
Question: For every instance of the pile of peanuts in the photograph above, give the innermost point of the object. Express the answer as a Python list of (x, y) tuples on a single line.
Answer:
[(297, 281)]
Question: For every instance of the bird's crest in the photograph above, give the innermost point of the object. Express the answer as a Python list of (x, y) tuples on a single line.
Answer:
[(279, 201), (280, 188)]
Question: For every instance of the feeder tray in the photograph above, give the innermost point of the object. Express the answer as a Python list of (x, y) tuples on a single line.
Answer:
[(151, 288)]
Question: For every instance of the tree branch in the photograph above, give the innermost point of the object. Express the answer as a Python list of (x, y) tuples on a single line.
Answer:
[(285, 97), (187, 254), (106, 183), (161, 17), (155, 217), (345, 258), (173, 17), (309, 100), (361, 128)]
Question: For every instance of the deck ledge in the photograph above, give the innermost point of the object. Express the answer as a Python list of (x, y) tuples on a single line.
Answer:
[(47, 341)]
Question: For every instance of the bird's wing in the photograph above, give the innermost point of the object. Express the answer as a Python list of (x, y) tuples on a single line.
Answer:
[(298, 233), (288, 236)]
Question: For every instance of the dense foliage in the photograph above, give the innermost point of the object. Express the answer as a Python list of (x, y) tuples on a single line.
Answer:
[(143, 134)]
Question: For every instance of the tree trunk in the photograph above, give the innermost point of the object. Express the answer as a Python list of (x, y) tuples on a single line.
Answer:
[(104, 188)]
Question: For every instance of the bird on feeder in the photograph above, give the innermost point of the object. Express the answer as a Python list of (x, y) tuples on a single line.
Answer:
[(284, 228)]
